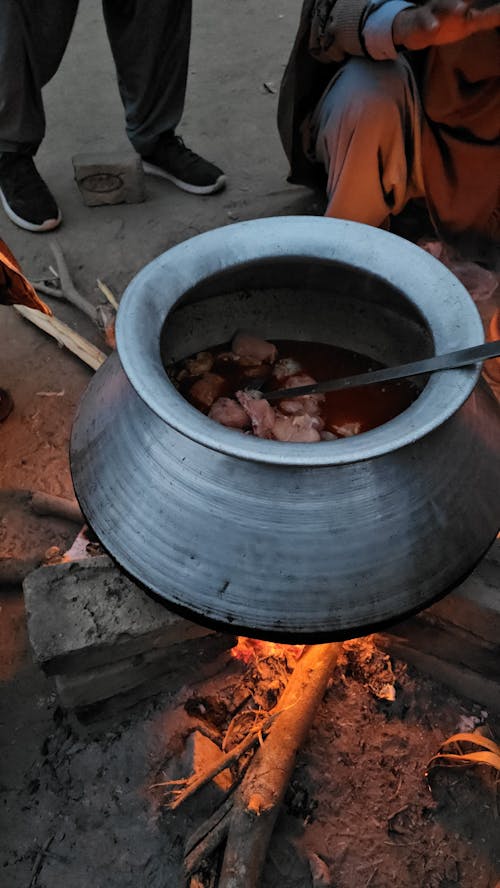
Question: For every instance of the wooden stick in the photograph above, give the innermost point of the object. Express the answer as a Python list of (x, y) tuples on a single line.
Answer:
[(212, 833), (47, 504), (47, 290), (105, 290), (258, 800), (90, 354), (57, 507), (207, 876), (196, 781), (68, 288)]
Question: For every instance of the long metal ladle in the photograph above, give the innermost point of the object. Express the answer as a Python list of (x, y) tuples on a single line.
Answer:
[(449, 361)]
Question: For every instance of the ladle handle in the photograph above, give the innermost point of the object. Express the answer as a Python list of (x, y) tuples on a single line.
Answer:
[(449, 361)]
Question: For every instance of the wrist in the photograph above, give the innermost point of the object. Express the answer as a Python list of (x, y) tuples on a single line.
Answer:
[(401, 28), (377, 30)]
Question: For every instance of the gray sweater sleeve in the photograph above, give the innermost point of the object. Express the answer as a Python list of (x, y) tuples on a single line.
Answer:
[(377, 30), (337, 28)]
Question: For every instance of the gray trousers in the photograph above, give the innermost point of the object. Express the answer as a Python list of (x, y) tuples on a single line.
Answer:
[(367, 133), (150, 44)]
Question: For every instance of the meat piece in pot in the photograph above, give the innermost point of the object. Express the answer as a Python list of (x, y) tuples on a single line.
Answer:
[(261, 413), (298, 429), (206, 390), (306, 404), (251, 347), (298, 379), (229, 413), (310, 404), (346, 429), (257, 371), (202, 363), (226, 362), (286, 367)]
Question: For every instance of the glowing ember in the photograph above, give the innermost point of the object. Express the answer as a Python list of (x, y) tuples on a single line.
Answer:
[(248, 649)]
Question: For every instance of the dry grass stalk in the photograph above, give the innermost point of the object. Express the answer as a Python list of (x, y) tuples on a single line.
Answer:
[(188, 786), (105, 290)]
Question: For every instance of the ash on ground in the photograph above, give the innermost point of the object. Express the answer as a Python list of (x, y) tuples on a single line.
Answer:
[(77, 806)]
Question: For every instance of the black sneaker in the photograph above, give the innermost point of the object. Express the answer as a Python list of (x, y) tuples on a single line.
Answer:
[(174, 161), (25, 196)]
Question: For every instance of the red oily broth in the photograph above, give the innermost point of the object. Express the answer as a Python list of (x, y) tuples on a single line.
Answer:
[(355, 410), (368, 406)]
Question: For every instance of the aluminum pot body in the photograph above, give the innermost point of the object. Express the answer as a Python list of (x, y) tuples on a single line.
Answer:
[(287, 541)]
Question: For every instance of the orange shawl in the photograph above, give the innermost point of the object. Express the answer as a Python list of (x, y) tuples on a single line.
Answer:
[(461, 139), (15, 289)]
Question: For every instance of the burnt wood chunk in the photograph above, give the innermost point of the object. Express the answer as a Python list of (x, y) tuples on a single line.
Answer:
[(105, 179)]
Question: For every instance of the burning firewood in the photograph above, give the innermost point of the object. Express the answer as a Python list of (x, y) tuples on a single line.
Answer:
[(247, 816), (258, 799), (365, 662), (187, 788)]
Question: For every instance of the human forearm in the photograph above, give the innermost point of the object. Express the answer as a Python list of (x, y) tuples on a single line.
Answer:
[(440, 22)]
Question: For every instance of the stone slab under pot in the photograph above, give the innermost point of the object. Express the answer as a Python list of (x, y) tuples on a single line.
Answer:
[(302, 542)]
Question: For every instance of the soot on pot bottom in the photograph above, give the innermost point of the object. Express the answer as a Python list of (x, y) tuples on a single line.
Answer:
[(229, 383)]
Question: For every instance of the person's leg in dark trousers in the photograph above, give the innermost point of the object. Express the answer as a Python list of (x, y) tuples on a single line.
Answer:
[(150, 44), (33, 37)]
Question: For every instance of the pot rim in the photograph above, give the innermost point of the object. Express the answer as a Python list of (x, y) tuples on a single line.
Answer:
[(454, 323)]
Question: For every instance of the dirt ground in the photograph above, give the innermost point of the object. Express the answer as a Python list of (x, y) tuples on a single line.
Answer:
[(78, 807), (74, 804)]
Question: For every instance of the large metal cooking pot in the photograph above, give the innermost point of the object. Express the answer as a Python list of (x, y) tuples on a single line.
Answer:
[(291, 541)]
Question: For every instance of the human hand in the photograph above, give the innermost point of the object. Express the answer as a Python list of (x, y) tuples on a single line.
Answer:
[(438, 22)]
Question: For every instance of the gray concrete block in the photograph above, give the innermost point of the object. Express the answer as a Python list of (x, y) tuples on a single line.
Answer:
[(141, 671), (474, 606), (479, 687), (105, 179), (457, 640), (451, 645), (88, 613), (94, 717)]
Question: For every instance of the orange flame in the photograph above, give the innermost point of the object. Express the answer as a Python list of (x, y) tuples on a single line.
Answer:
[(247, 649)]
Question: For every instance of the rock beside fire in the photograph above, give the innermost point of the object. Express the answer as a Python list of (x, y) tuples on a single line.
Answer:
[(106, 641), (88, 613), (135, 678)]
